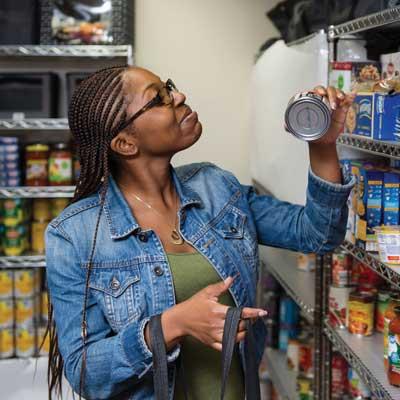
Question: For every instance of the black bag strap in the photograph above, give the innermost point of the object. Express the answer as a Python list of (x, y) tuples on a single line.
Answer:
[(160, 367)]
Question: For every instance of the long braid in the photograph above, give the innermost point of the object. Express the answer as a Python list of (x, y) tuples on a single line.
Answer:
[(97, 111)]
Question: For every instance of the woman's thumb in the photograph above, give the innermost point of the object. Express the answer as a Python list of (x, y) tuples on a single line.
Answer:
[(218, 288)]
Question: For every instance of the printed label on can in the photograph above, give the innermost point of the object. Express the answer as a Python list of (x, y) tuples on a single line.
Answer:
[(24, 282), (6, 313), (24, 311), (6, 342), (6, 283), (25, 341)]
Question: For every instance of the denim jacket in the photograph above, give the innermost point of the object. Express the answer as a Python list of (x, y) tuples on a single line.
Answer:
[(131, 279)]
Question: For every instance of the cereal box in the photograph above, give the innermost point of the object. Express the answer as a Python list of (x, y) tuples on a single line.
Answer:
[(386, 118), (360, 116), (391, 185)]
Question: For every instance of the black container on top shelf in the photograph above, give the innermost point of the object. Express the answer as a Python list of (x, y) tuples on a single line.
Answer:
[(73, 80), (32, 94), (19, 22)]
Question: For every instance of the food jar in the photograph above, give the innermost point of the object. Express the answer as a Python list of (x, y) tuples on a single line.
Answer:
[(36, 158), (60, 165)]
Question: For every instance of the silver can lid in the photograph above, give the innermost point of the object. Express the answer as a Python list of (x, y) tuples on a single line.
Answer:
[(307, 116)]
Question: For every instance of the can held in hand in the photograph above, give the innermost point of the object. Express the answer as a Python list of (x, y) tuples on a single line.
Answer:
[(308, 116)]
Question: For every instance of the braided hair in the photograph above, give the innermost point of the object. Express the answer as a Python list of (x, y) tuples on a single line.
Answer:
[(96, 114)]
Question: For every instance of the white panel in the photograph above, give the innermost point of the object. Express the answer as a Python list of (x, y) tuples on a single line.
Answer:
[(278, 160)]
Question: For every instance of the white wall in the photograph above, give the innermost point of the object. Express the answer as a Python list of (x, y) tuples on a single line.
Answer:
[(207, 47)]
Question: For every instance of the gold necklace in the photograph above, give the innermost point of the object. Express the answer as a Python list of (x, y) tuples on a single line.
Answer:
[(176, 237)]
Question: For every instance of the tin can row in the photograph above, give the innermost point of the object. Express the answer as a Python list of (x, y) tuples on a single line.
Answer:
[(21, 282), (24, 311), (24, 341)]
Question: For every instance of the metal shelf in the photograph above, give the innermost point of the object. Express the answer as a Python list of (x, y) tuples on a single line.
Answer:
[(283, 378), (299, 285), (38, 124), (388, 272), (387, 149), (36, 192), (92, 51), (27, 261), (365, 355), (371, 21)]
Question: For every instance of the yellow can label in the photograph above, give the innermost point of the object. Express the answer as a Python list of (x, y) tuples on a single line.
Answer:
[(6, 313), (25, 341), (361, 318), (24, 282), (24, 311), (6, 342), (6, 283)]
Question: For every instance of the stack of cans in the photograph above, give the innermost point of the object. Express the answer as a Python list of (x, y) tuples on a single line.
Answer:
[(10, 172), (23, 313)]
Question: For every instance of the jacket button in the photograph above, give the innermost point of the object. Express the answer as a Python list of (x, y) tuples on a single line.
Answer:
[(158, 271), (233, 229), (115, 284), (143, 237)]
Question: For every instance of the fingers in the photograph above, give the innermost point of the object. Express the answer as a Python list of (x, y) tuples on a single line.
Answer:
[(217, 344), (253, 313), (332, 97), (216, 289)]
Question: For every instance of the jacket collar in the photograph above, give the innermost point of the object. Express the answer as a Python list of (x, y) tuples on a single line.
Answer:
[(119, 216)]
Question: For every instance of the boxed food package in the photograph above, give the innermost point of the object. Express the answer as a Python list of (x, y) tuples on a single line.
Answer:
[(386, 117), (391, 67), (360, 115), (369, 205), (359, 76), (391, 185)]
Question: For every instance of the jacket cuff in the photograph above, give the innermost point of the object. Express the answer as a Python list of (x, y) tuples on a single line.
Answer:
[(136, 350), (327, 193)]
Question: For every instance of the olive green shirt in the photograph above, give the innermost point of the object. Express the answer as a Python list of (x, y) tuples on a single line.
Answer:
[(202, 364)]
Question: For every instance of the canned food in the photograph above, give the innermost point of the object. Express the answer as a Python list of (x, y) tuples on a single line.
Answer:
[(44, 307), (293, 354), (38, 230), (24, 281), (41, 210), (25, 311), (6, 283), (14, 211), (43, 342), (364, 276), (381, 306), (304, 388), (306, 356), (7, 348), (339, 376), (15, 240), (25, 341), (308, 116), (338, 299), (361, 313), (6, 313), (357, 388), (57, 206), (341, 268)]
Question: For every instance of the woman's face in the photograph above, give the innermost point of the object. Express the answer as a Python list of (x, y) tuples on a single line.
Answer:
[(162, 130)]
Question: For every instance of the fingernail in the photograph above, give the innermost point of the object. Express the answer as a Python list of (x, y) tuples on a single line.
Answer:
[(227, 279), (333, 106), (262, 313)]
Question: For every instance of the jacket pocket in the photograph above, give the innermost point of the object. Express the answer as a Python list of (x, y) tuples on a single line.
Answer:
[(117, 291), (232, 227)]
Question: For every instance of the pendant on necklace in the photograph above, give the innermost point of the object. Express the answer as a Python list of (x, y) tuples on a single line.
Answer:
[(176, 237)]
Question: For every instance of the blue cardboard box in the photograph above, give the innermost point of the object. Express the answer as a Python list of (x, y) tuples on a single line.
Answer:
[(391, 185), (386, 119), (360, 116)]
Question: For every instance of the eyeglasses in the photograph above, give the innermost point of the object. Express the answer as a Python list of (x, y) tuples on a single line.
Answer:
[(162, 98)]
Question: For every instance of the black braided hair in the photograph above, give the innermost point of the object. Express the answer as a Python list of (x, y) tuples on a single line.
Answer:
[(96, 114)]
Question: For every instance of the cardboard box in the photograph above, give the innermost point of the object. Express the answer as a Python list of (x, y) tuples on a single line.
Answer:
[(360, 116), (361, 76), (391, 185), (386, 118)]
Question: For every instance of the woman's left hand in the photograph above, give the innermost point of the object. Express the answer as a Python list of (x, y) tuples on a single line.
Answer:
[(340, 104)]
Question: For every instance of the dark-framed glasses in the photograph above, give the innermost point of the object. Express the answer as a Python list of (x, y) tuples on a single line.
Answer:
[(163, 97)]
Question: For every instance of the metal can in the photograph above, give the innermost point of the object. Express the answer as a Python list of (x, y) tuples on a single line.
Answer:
[(15, 240), (38, 230), (6, 313), (360, 317), (6, 283), (24, 282), (363, 276), (305, 388), (306, 356), (43, 342), (339, 376), (308, 116), (357, 388), (7, 347), (41, 210), (338, 299), (381, 306), (44, 309), (57, 206), (341, 268), (25, 341), (293, 354), (14, 211), (25, 311)]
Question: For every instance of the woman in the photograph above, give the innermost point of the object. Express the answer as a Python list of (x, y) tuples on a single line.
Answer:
[(143, 238)]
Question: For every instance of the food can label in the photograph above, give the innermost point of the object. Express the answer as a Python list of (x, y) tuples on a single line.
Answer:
[(24, 311), (43, 341), (6, 342), (25, 341), (393, 353), (60, 170), (361, 318), (36, 169), (6, 313), (6, 284), (386, 337), (24, 282)]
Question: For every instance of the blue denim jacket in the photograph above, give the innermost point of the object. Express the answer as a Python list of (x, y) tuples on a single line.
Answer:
[(131, 279)]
